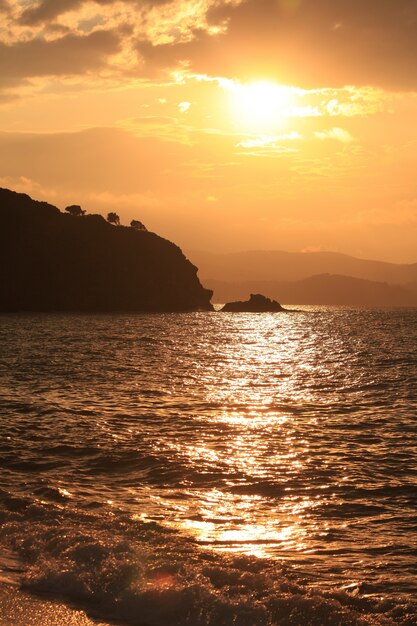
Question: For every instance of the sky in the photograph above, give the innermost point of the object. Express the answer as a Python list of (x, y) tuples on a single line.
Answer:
[(223, 125)]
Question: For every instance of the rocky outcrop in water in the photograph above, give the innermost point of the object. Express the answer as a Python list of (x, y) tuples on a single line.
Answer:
[(256, 304), (51, 261)]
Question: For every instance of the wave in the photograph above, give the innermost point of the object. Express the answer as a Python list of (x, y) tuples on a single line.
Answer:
[(123, 568)]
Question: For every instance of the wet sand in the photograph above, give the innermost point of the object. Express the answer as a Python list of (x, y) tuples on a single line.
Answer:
[(18, 608)]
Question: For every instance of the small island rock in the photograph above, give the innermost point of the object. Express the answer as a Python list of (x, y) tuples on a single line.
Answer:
[(257, 303)]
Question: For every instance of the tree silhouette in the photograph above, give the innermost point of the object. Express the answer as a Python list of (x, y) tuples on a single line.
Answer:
[(137, 225), (75, 209), (113, 218)]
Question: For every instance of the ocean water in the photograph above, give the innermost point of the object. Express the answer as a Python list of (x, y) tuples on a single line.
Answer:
[(213, 469)]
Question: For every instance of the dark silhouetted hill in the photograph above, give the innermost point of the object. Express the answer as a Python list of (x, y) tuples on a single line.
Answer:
[(322, 289), (51, 261)]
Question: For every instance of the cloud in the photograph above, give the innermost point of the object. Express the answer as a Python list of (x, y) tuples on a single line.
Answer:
[(97, 159), (306, 43), (131, 200), (184, 106), (320, 43), (71, 54), (339, 134), (273, 142), (47, 10), (51, 37), (199, 53), (26, 185)]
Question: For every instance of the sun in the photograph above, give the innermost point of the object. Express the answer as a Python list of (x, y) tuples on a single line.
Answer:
[(261, 105)]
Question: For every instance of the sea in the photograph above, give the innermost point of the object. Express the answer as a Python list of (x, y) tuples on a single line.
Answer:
[(213, 469)]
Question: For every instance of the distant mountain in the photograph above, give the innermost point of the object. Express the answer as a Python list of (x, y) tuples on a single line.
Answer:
[(289, 266), (51, 261), (321, 289)]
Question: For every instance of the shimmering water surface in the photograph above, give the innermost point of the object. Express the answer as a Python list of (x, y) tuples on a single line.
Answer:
[(212, 468)]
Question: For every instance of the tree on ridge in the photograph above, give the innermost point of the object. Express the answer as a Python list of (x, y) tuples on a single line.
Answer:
[(75, 210), (113, 218), (137, 225)]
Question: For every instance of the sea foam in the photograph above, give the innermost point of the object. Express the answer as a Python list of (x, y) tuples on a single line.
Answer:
[(142, 573)]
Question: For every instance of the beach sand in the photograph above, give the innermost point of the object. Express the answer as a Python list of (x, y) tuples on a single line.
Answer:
[(18, 608)]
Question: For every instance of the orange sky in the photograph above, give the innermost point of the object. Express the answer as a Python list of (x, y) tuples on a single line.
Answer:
[(221, 124)]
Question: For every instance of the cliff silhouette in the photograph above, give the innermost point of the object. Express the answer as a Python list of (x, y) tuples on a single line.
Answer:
[(51, 261)]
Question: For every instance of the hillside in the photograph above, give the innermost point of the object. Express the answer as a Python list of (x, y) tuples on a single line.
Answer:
[(321, 289), (269, 266), (51, 261)]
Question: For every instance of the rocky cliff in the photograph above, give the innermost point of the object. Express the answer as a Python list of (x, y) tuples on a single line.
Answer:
[(51, 261)]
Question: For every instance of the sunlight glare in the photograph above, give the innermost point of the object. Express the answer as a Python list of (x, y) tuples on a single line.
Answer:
[(261, 105)]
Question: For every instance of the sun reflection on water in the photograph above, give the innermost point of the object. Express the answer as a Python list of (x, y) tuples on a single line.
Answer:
[(256, 448), (260, 434), (228, 522), (252, 418), (249, 474)]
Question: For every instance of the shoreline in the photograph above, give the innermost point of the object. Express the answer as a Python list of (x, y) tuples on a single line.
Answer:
[(20, 608)]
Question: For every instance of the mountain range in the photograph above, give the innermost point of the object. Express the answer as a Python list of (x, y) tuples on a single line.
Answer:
[(307, 278)]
